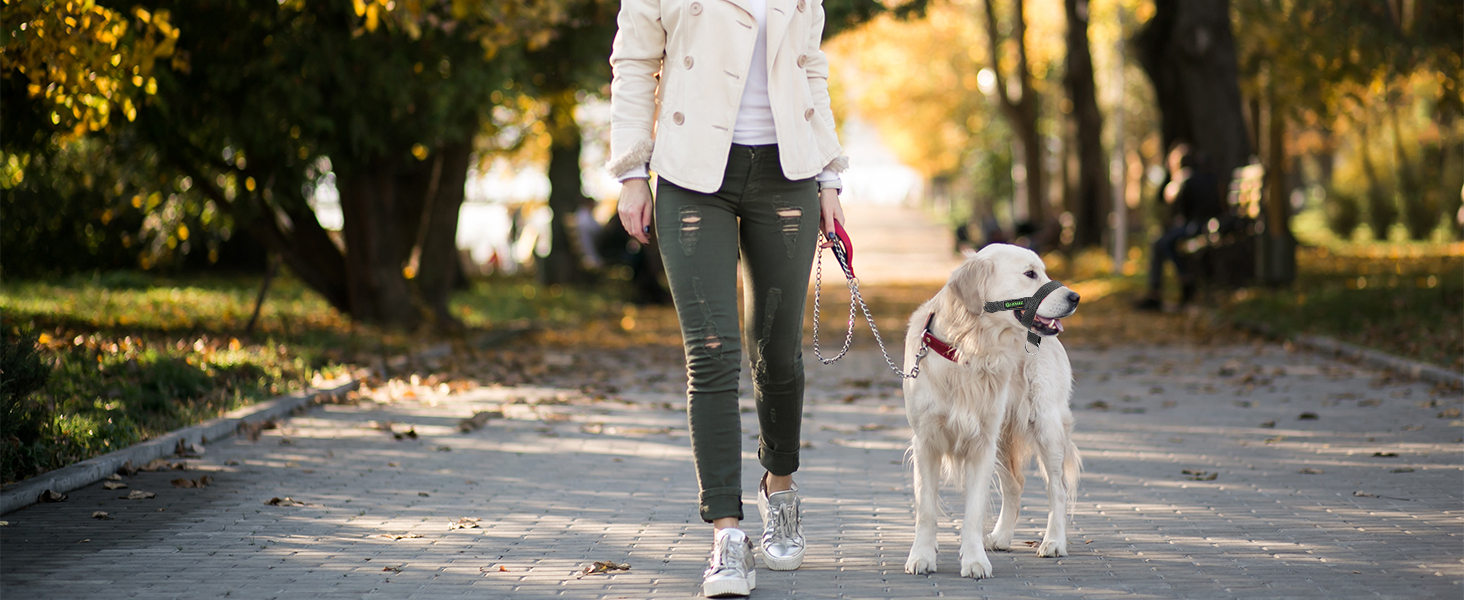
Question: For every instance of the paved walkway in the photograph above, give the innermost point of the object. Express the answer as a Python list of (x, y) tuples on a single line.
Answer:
[(591, 464)]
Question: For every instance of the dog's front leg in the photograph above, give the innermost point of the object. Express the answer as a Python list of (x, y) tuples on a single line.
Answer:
[(1054, 459), (974, 563), (927, 509)]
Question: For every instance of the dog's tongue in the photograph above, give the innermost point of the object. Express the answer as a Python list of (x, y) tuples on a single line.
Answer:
[(1055, 324)]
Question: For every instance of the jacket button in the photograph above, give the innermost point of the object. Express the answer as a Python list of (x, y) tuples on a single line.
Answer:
[(695, 8), (678, 119), (802, 5), (688, 62), (807, 115), (803, 60)]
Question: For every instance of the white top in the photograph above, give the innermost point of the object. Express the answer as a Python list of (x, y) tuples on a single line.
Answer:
[(755, 115)]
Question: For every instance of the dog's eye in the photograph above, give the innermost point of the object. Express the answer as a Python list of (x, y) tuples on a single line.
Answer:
[(1031, 274)]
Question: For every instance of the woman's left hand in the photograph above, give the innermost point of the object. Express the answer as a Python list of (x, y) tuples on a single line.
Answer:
[(829, 211)]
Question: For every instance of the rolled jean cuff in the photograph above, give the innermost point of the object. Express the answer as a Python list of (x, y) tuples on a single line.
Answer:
[(776, 462), (720, 503)]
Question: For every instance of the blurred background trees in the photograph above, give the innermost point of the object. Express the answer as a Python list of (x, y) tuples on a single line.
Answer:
[(164, 134)]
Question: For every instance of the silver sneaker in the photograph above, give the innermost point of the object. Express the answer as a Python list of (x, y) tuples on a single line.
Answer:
[(731, 572), (782, 538)]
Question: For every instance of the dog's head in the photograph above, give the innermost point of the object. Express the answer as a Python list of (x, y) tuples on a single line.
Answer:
[(1005, 272)]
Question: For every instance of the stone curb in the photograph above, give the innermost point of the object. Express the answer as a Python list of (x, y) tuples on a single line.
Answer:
[(1326, 345), (95, 469)]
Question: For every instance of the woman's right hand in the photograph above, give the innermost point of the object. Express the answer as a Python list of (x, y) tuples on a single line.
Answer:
[(635, 208)]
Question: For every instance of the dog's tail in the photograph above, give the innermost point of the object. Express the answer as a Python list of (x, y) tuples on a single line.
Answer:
[(1072, 468)]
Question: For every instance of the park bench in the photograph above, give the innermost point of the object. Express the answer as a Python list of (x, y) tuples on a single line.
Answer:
[(1223, 255)]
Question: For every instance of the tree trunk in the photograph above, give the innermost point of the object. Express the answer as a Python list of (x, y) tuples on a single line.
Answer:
[(377, 287), (1021, 112), (1189, 54), (563, 264), (439, 264), (1090, 206)]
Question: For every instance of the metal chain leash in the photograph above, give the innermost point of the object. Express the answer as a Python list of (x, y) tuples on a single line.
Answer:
[(855, 298)]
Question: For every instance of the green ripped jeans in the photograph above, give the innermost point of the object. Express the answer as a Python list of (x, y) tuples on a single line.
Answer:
[(774, 223)]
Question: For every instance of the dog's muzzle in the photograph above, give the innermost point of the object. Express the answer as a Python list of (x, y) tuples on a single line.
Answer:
[(1027, 310)]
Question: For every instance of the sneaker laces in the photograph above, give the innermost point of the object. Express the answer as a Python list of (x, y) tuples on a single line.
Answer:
[(726, 554), (782, 522)]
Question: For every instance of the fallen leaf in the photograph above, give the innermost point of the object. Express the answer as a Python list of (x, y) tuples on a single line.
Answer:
[(101, 514), (1449, 413), (50, 496), (1385, 454), (188, 449), (1097, 405), (1370, 402), (287, 442), (396, 569), (138, 495), (422, 494), (495, 569), (478, 420), (1275, 438), (392, 464), (464, 523), (182, 482), (286, 501), (1176, 440), (1307, 416), (1310, 471), (1271, 424), (163, 464), (231, 463), (444, 448), (408, 434), (873, 427), (399, 536), (4, 523), (113, 485), (1031, 542), (603, 567), (113, 477), (1402, 470), (1200, 475)]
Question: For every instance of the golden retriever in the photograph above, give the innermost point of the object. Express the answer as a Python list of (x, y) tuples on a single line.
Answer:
[(999, 404)]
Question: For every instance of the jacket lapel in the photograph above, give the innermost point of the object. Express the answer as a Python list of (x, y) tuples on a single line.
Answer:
[(780, 13), (744, 5)]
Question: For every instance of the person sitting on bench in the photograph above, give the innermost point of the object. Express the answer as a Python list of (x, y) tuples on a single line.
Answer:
[(1193, 196)]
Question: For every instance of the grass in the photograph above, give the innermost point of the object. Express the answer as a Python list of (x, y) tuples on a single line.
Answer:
[(1404, 299), (132, 356)]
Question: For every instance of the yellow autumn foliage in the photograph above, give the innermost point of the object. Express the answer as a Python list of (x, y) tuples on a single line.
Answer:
[(85, 61)]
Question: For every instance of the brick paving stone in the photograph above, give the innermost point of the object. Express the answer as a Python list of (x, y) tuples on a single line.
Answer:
[(1364, 500)]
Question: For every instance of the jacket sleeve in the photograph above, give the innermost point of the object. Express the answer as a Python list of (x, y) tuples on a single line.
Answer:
[(817, 68), (635, 62)]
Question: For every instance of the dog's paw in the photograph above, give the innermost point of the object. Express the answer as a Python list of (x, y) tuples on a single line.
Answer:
[(975, 567), (995, 541), (1052, 548), (921, 561)]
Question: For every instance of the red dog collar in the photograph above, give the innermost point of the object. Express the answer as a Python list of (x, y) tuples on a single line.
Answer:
[(934, 343)]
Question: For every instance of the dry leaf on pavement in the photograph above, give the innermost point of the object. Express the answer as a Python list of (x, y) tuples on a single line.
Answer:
[(192, 483), (50, 496), (137, 495), (464, 523), (113, 485), (1200, 475), (478, 420), (101, 514), (1310, 471), (603, 566), (286, 501), (399, 536), (163, 464)]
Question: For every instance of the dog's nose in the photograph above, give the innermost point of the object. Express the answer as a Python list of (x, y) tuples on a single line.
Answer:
[(1073, 297)]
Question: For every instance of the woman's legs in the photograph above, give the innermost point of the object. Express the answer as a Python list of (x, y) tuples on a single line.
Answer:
[(700, 235)]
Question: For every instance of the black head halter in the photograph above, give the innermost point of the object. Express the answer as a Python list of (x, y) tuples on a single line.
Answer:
[(1028, 307)]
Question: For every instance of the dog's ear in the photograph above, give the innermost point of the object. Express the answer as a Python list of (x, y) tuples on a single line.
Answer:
[(969, 282)]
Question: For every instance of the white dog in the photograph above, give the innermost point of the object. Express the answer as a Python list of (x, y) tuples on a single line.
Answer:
[(1001, 401)]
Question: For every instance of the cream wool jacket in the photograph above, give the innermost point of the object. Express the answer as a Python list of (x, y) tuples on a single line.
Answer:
[(679, 68)]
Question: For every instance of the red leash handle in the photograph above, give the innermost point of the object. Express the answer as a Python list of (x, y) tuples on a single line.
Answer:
[(843, 249)]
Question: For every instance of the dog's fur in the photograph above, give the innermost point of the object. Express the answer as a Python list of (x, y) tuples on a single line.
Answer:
[(991, 412)]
